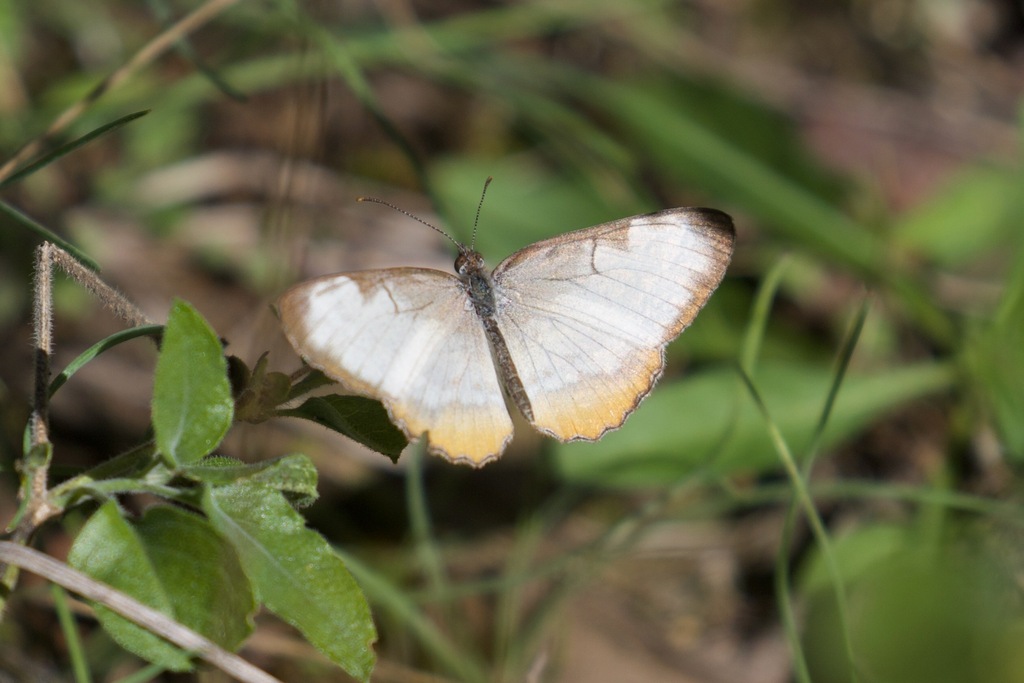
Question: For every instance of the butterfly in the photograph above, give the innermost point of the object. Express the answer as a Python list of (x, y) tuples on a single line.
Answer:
[(571, 330)]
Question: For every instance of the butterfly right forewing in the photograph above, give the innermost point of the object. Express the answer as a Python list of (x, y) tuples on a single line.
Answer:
[(587, 315)]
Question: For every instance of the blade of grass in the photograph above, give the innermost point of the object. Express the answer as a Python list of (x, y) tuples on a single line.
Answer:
[(163, 12), (751, 347), (842, 365), (804, 500), (149, 52), (426, 548), (391, 598), (99, 347), (76, 653), (782, 567), (69, 147), (760, 313), (419, 521), (748, 358), (784, 599), (509, 645), (47, 235)]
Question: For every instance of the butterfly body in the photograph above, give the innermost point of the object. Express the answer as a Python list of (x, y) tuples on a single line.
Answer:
[(573, 329), (472, 272)]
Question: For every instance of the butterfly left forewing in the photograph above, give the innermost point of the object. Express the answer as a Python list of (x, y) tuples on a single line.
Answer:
[(587, 315), (407, 337)]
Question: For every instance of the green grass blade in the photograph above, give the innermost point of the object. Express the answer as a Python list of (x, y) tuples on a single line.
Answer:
[(419, 520), (391, 598), (803, 499), (76, 652), (843, 364), (785, 601), (782, 568), (98, 348), (754, 337), (69, 147), (47, 235)]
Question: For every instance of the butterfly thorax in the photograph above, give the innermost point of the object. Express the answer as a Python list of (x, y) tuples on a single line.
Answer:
[(472, 272)]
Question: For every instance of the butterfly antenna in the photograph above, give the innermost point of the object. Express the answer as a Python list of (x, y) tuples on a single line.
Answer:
[(476, 221), (414, 217)]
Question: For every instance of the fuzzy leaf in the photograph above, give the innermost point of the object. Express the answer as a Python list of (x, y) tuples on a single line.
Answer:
[(192, 404), (294, 475), (295, 573), (174, 562)]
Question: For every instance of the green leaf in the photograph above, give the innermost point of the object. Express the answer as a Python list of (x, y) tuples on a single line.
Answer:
[(192, 404), (294, 475), (696, 422), (986, 199), (360, 419), (174, 562), (857, 552), (295, 573), (926, 610)]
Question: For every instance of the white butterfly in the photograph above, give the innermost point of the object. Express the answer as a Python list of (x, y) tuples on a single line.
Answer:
[(572, 329)]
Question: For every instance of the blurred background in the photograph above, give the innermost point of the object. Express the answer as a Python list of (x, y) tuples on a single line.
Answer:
[(869, 153)]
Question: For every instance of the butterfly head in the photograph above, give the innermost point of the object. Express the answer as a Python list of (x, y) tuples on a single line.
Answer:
[(468, 263)]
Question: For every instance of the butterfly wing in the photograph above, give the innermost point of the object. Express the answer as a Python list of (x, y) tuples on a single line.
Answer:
[(408, 337), (587, 315)]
